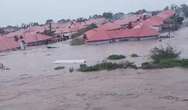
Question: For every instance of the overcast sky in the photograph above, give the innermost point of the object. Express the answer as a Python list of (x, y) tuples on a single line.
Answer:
[(15, 12)]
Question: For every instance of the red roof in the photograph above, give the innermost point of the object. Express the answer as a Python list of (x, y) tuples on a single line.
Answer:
[(159, 19), (141, 28), (7, 44), (95, 35), (154, 21), (166, 14), (118, 23), (140, 31), (33, 37), (76, 26)]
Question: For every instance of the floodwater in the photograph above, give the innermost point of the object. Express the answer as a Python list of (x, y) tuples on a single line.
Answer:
[(114, 90), (33, 84)]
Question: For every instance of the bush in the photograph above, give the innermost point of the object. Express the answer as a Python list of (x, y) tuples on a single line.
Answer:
[(184, 63), (86, 68), (106, 66), (164, 53), (149, 65), (116, 57), (134, 55), (77, 41), (165, 58), (166, 63), (170, 63), (59, 68), (51, 47)]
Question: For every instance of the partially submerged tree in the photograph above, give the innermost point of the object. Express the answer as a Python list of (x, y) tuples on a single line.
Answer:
[(164, 53), (184, 8)]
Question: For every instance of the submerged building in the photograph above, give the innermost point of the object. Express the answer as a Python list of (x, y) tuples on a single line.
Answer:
[(135, 27)]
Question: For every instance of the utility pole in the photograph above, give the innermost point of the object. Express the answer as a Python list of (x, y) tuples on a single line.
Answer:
[(50, 27)]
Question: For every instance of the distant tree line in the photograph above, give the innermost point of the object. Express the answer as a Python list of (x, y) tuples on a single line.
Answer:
[(109, 15), (180, 10)]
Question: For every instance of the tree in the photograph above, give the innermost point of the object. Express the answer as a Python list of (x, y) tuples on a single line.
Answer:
[(81, 20), (95, 16), (174, 7), (166, 8), (184, 8), (2, 31), (141, 11), (155, 13), (24, 26), (179, 20), (49, 21), (118, 15), (63, 20), (174, 23), (34, 24), (108, 15)]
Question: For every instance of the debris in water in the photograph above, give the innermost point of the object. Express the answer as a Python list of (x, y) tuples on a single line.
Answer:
[(59, 68)]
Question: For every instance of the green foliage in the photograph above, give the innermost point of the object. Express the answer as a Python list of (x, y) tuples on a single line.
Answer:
[(164, 53), (169, 63), (81, 20), (184, 63), (49, 21), (63, 20), (106, 66), (130, 65), (150, 65), (119, 15), (165, 58), (50, 47), (101, 66), (116, 57), (95, 16), (134, 55), (179, 20), (108, 15), (184, 8), (59, 68), (166, 63)]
